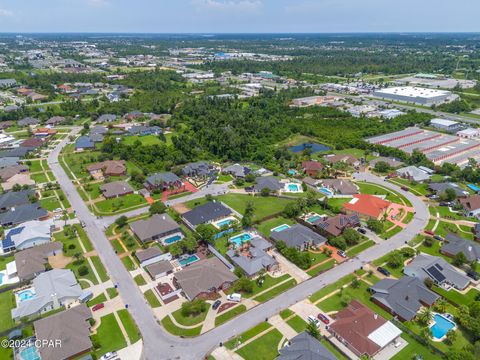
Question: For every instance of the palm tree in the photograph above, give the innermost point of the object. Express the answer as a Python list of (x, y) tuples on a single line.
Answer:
[(441, 305), (425, 316)]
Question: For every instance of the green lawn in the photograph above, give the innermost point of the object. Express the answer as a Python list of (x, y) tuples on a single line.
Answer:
[(4, 260), (232, 343), (121, 204), (263, 348), (129, 325), (74, 266), (336, 204), (276, 290), (39, 178), (284, 314), (268, 283), (112, 292), (264, 206), (100, 268), (78, 162), (229, 314), (322, 268), (361, 293), (140, 280), (359, 248), (118, 248), (152, 299), (128, 262), (109, 335), (416, 188), (35, 166), (265, 226), (97, 300), (83, 237), (414, 348), (373, 189), (71, 244), (145, 140), (190, 320), (333, 349), (7, 299), (330, 288), (457, 298), (175, 330), (297, 324)]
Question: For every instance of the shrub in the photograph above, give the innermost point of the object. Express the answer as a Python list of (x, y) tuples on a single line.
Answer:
[(82, 270)]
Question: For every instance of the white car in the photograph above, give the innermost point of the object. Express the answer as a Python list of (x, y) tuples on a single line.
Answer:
[(57, 210), (314, 320), (234, 297), (109, 356)]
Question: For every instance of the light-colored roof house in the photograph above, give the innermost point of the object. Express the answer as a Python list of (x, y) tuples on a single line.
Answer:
[(31, 262), (28, 234), (155, 228)]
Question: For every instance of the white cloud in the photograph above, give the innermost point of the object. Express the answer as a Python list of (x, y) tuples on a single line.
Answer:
[(5, 13), (228, 5)]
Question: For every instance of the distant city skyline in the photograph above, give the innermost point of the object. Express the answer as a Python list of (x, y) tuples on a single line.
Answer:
[(238, 16)]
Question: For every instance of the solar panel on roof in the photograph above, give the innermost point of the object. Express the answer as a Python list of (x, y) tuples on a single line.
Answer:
[(439, 267), (437, 275)]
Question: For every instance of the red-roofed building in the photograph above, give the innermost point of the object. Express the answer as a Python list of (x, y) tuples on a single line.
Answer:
[(366, 206), (363, 331), (312, 168)]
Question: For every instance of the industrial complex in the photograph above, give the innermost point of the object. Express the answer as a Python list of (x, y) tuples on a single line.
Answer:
[(416, 95)]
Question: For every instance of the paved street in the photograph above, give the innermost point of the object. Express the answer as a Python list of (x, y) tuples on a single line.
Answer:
[(158, 344)]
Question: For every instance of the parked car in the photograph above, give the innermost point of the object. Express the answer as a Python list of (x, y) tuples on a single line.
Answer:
[(234, 297), (216, 304), (383, 271), (444, 203), (404, 188), (437, 237), (342, 253), (109, 355), (314, 320), (428, 232), (362, 230), (323, 318), (82, 223), (98, 306), (473, 274)]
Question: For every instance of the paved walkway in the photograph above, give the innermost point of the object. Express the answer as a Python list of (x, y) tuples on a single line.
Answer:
[(282, 326)]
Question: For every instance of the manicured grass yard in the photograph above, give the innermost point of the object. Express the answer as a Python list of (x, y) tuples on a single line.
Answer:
[(145, 140), (7, 301), (83, 237), (297, 324), (129, 325), (359, 248), (4, 260), (373, 189), (458, 298), (263, 348), (330, 288), (230, 344), (276, 290), (265, 226), (336, 204), (268, 283), (97, 300), (189, 320), (120, 204), (321, 268), (128, 262), (35, 166), (100, 268), (152, 299), (109, 335), (39, 178), (284, 314), (229, 314), (414, 348), (118, 248), (264, 206), (175, 330), (71, 245), (140, 280), (74, 266)]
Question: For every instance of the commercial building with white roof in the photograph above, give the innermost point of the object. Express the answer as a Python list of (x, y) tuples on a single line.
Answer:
[(415, 95), (444, 124)]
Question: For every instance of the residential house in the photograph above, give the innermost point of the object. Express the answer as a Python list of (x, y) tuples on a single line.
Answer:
[(199, 169), (22, 179), (363, 331), (305, 347), (132, 115), (436, 268), (8, 172), (252, 257), (44, 132), (267, 182), (8, 161), (476, 231), (116, 189), (70, 328), (312, 168), (7, 83), (414, 173), (142, 130), (403, 298), (391, 161), (55, 120), (31, 262), (84, 143), (205, 214), (53, 289), (33, 143), (335, 225), (159, 227), (23, 213), (151, 255), (159, 269), (28, 121), (298, 236), (18, 152), (28, 234), (15, 198), (98, 129), (454, 245), (366, 206), (344, 158), (237, 171), (108, 168), (204, 279), (471, 205), (106, 118), (163, 181), (339, 186), (440, 188)]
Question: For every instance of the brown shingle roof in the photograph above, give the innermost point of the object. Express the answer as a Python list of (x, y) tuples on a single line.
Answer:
[(470, 203), (116, 188), (109, 167), (33, 260)]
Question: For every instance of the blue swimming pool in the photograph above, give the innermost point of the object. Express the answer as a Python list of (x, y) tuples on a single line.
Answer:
[(315, 147), (313, 218), (25, 295), (1, 278), (292, 172), (293, 187), (280, 228), (29, 353), (189, 260), (474, 187), (326, 191), (240, 239), (224, 223), (172, 239), (441, 327)]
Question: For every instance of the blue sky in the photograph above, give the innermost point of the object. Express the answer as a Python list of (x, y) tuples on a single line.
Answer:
[(187, 16)]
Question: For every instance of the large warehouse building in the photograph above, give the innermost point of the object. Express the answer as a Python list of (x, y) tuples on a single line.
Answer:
[(415, 95)]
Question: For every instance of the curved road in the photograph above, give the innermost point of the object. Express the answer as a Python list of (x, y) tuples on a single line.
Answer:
[(158, 344)]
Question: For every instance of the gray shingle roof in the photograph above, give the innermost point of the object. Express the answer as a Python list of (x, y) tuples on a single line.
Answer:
[(15, 198), (84, 142), (149, 253), (237, 170), (269, 182), (305, 347), (256, 259), (455, 245), (33, 260), (159, 267), (404, 296), (23, 213), (155, 226), (205, 213), (160, 178), (297, 235), (116, 188), (440, 188)]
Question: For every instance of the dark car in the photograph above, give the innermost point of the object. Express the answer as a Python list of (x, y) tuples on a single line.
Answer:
[(444, 203), (404, 188), (428, 232), (383, 271), (362, 230), (473, 274), (323, 319), (439, 238), (216, 304)]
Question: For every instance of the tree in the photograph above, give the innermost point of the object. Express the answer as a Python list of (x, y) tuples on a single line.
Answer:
[(247, 218), (339, 242), (157, 208), (425, 316), (345, 299), (312, 329), (121, 221), (265, 192), (351, 236), (291, 210), (355, 283), (244, 285), (375, 225), (459, 259), (382, 167), (448, 195), (193, 308), (395, 259), (450, 337), (82, 270), (441, 305), (206, 232)]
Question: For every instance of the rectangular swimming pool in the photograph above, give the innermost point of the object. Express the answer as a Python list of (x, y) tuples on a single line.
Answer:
[(441, 326), (26, 294), (280, 228), (240, 239), (172, 239), (189, 260), (29, 353), (313, 218), (223, 222)]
